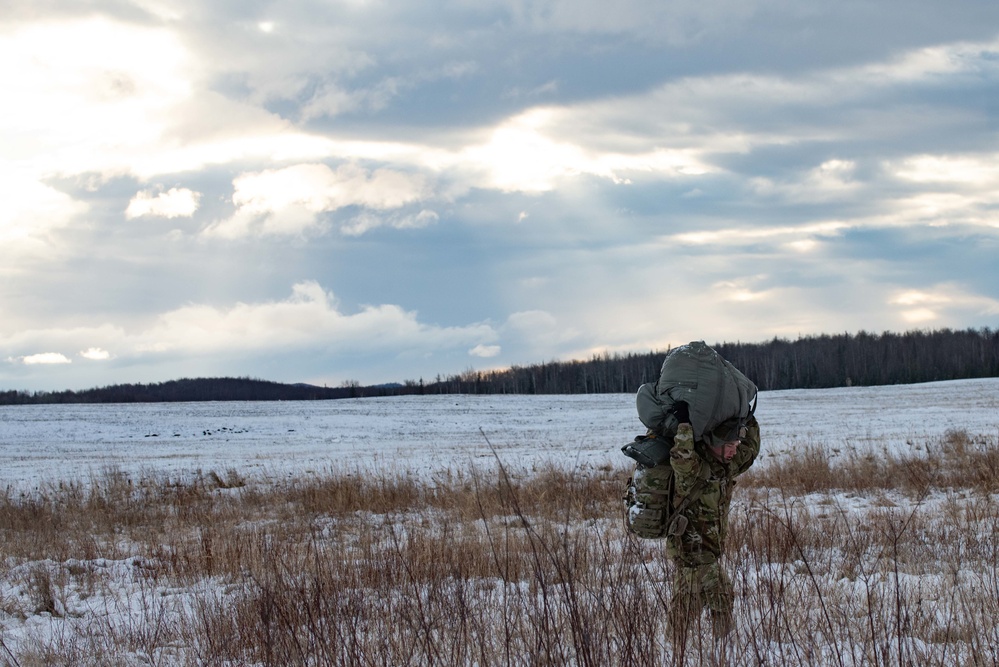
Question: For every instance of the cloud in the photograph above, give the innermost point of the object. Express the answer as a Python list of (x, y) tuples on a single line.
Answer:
[(934, 303), (44, 359), (786, 185), (30, 213), (308, 318), (367, 221), (142, 103), (332, 100), (538, 332), (974, 171), (808, 234), (832, 180), (485, 351), (530, 322), (117, 83), (740, 290), (674, 22), (174, 203), (540, 148), (308, 330), (289, 201)]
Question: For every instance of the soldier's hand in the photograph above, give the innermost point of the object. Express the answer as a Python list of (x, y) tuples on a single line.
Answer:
[(682, 412)]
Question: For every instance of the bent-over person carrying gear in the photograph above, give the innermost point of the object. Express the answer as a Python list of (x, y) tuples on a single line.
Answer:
[(701, 435)]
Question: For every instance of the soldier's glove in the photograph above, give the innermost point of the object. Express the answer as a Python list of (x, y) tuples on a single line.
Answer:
[(683, 443), (682, 412)]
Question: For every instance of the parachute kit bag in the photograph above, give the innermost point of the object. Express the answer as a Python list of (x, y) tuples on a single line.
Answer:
[(713, 389), (706, 390)]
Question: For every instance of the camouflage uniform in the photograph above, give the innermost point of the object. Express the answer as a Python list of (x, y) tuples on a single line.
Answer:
[(702, 492)]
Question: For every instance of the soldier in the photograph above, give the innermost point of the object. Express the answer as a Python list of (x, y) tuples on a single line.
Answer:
[(704, 474), (701, 435)]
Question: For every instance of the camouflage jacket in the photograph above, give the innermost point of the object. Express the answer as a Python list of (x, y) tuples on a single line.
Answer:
[(703, 489)]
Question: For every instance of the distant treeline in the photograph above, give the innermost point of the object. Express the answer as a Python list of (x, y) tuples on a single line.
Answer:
[(806, 363), (201, 389)]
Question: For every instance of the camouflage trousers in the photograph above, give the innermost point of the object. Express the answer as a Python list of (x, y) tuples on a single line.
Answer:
[(700, 581), (694, 589)]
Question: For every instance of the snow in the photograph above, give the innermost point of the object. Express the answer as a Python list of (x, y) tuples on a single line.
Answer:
[(261, 440)]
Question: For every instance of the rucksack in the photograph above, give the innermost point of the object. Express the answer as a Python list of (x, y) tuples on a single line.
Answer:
[(648, 503)]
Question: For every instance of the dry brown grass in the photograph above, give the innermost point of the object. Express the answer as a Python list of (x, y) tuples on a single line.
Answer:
[(860, 561)]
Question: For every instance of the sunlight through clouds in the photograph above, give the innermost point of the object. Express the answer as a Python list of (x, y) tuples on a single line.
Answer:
[(482, 181), (931, 304), (739, 236), (30, 210), (957, 169), (115, 81)]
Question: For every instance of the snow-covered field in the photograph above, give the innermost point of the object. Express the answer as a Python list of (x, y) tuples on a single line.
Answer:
[(270, 440), (41, 443)]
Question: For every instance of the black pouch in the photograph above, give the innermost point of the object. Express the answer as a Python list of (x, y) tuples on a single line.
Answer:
[(648, 450)]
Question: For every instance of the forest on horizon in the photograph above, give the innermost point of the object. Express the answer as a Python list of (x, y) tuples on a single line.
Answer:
[(810, 362)]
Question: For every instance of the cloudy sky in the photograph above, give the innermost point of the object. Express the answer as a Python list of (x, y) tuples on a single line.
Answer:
[(323, 191)]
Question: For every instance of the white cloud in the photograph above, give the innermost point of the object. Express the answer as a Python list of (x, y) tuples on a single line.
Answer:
[(289, 201), (45, 358), (485, 351), (310, 317), (95, 354), (174, 203)]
